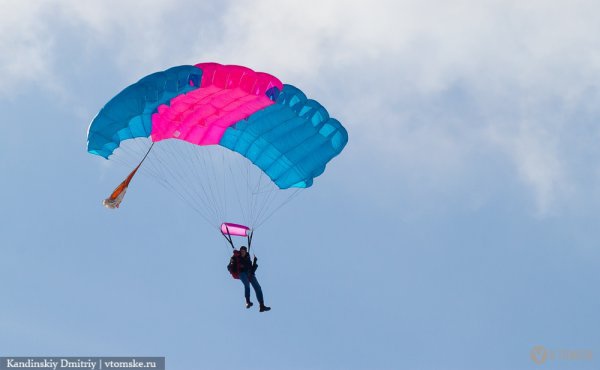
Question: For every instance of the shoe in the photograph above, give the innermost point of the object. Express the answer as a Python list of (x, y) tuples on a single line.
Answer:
[(264, 308), (249, 304)]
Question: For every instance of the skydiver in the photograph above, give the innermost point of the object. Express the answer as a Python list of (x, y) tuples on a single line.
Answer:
[(241, 265)]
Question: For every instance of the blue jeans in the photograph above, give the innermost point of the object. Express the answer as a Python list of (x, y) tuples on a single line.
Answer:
[(255, 285)]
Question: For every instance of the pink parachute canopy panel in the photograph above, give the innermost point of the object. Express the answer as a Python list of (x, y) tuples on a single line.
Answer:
[(227, 94), (234, 229)]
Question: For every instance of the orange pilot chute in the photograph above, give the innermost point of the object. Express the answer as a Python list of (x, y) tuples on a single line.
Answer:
[(116, 197)]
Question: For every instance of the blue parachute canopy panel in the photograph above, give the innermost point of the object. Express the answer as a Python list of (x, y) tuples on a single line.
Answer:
[(291, 140), (129, 114)]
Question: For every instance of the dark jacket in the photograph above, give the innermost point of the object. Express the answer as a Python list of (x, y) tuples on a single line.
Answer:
[(237, 264), (246, 264)]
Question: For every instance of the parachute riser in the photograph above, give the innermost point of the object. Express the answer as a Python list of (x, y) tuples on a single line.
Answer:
[(228, 237), (250, 240)]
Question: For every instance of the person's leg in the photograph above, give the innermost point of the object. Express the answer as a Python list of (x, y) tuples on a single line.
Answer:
[(244, 279), (259, 295), (257, 289)]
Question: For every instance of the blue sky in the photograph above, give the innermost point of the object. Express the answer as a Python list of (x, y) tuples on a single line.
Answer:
[(457, 230)]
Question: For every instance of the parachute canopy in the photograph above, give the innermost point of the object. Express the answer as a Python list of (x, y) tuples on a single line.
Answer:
[(289, 137)]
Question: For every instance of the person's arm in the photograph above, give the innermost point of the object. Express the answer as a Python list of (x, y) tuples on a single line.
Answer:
[(254, 264)]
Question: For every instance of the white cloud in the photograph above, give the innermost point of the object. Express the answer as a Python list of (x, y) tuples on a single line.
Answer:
[(534, 150), (26, 47), (137, 34)]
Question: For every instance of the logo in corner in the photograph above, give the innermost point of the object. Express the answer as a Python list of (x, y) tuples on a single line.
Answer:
[(539, 354)]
